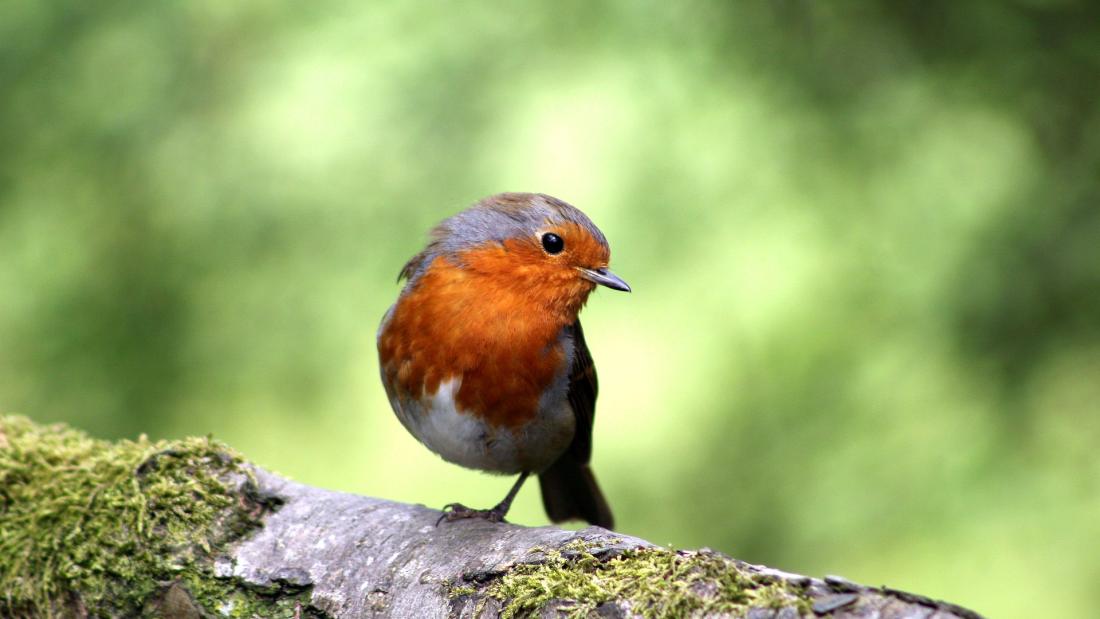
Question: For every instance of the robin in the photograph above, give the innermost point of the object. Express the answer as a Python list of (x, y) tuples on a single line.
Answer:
[(483, 358)]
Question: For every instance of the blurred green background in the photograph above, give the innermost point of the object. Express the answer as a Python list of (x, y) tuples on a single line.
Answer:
[(864, 239)]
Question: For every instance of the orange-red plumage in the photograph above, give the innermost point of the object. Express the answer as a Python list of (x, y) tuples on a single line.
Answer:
[(511, 305), (483, 358), (505, 356)]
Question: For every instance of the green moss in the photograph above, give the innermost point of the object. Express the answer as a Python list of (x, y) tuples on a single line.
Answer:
[(90, 525), (655, 582)]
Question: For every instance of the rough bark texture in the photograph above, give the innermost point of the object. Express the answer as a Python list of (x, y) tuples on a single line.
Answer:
[(187, 529), (366, 557)]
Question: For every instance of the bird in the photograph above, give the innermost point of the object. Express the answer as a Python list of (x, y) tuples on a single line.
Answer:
[(483, 357)]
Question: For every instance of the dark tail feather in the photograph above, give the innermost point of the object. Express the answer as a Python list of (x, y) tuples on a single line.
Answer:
[(569, 492)]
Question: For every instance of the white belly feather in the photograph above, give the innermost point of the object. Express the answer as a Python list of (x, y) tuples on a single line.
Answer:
[(466, 440)]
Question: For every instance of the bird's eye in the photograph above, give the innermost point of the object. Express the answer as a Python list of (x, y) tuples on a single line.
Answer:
[(552, 243)]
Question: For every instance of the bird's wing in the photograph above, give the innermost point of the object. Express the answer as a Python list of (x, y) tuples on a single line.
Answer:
[(582, 395)]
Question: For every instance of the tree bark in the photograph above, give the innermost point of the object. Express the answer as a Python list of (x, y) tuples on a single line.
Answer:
[(189, 530), (365, 557)]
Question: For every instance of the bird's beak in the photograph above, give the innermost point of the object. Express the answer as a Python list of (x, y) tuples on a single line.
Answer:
[(604, 277)]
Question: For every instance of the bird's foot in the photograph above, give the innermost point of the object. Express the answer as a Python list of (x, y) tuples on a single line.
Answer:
[(458, 511)]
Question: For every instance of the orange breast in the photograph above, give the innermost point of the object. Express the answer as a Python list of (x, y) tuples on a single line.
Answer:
[(456, 322)]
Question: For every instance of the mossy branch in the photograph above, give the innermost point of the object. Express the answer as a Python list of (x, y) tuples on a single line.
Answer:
[(187, 529)]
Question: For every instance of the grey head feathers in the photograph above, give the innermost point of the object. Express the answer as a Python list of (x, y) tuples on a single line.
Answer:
[(494, 219)]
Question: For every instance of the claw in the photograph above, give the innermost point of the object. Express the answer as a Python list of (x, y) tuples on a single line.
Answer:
[(458, 511)]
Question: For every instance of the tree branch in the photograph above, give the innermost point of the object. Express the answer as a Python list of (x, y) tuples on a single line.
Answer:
[(279, 548)]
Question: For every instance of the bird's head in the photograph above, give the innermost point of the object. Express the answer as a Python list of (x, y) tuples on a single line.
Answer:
[(524, 243)]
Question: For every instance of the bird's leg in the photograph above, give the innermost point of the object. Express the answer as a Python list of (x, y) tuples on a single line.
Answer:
[(503, 507), (458, 511)]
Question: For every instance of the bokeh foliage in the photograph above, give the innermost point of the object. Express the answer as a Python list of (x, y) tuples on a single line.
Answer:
[(864, 240)]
